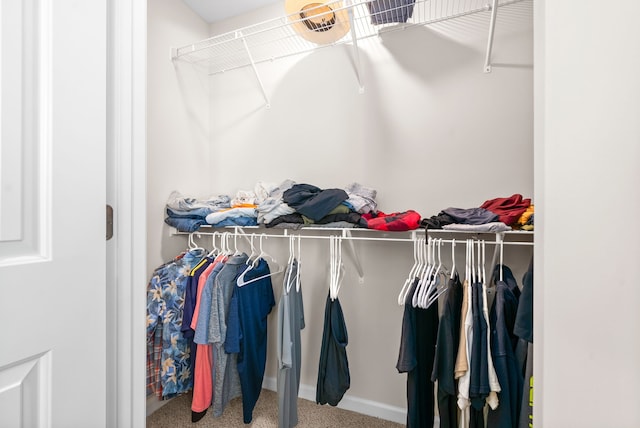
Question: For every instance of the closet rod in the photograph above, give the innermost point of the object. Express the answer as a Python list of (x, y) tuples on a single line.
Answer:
[(463, 241), (286, 233)]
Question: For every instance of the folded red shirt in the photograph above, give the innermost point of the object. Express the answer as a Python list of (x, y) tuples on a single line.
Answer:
[(508, 209), (397, 222)]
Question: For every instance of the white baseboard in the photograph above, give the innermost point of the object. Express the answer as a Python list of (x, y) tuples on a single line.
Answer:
[(348, 402), (154, 404)]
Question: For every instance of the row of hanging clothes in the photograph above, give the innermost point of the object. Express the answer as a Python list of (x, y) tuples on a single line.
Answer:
[(207, 324), (471, 334), (207, 318)]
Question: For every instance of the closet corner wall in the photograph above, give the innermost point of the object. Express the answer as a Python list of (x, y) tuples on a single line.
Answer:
[(430, 131)]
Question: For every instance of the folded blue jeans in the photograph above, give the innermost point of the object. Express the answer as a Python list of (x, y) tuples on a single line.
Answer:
[(185, 224)]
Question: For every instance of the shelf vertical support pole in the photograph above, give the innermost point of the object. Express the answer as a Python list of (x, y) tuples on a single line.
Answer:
[(492, 26), (354, 40), (253, 65)]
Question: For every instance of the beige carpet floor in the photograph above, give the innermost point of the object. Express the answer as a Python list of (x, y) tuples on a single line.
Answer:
[(177, 414)]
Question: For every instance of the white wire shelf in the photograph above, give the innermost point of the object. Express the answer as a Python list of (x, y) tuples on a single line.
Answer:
[(510, 237), (285, 36)]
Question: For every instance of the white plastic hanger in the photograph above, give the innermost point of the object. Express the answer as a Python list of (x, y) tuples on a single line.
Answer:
[(333, 267), (472, 259), (422, 267), (333, 261), (336, 268), (480, 279), (224, 243), (237, 251), (467, 257), (472, 266), (501, 254), (340, 266), (214, 249), (254, 250), (422, 261), (484, 272), (453, 258), (430, 276), (407, 283), (432, 280), (428, 281), (435, 292), (299, 263), (290, 263), (274, 267), (423, 275), (191, 243)]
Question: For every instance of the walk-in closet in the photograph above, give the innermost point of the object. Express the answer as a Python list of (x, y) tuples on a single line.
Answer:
[(412, 111), (433, 111), (359, 151)]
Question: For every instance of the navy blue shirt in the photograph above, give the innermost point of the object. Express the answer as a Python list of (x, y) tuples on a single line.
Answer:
[(312, 201), (479, 387), (524, 319), (333, 370), (502, 319), (416, 358), (254, 302), (446, 352)]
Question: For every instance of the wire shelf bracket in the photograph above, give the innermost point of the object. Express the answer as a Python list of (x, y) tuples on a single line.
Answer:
[(283, 36), (255, 70), (356, 51), (492, 27)]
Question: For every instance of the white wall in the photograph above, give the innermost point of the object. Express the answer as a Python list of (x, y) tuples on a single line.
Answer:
[(428, 111), (430, 131), (587, 175), (177, 121), (177, 125)]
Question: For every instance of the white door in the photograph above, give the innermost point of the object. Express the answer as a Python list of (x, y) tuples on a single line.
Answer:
[(52, 213)]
